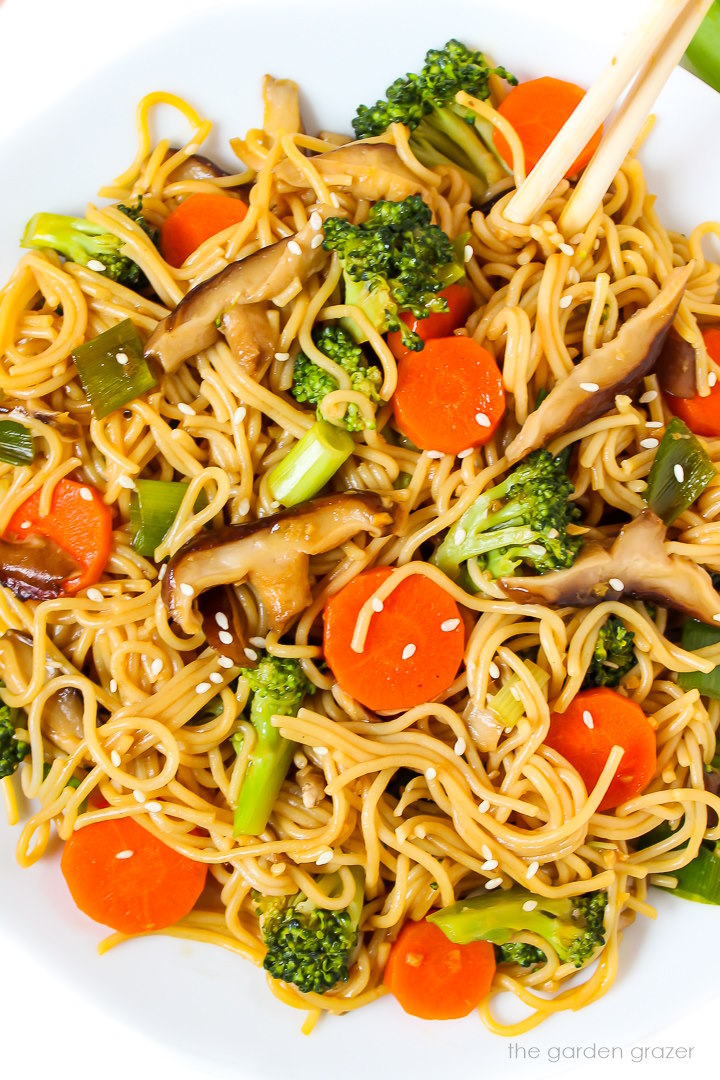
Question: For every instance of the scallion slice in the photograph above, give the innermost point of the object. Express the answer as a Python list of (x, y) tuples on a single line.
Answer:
[(696, 635), (311, 463), (17, 446), (153, 508), (680, 472), (113, 369), (505, 705), (700, 879)]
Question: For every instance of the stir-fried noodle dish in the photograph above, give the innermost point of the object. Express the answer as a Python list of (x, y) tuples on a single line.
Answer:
[(358, 551)]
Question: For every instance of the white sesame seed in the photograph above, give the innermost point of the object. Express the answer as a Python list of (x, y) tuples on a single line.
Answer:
[(258, 642), (185, 409), (275, 505), (156, 666), (315, 221), (712, 379), (460, 747), (113, 686), (244, 507), (202, 688), (649, 444), (529, 905), (323, 857), (282, 356), (573, 275), (139, 796), (163, 570), (251, 654), (553, 534), (222, 620), (321, 751), (596, 245), (493, 883), (616, 584), (95, 595), (482, 419), (679, 473), (294, 248), (483, 807), (409, 651), (491, 864), (648, 396), (589, 387), (186, 589), (434, 454), (96, 265), (466, 453), (468, 252), (225, 662), (239, 415), (215, 677), (716, 618), (26, 525), (565, 301), (449, 625), (225, 637), (86, 494), (486, 852), (122, 358), (153, 807), (376, 604), (430, 773), (532, 870), (115, 759), (459, 536), (126, 482), (316, 241), (588, 720), (566, 249), (127, 854), (654, 424), (494, 670)]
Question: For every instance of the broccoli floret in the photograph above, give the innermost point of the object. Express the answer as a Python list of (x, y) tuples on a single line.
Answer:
[(278, 688), (311, 383), (83, 242), (443, 132), (519, 952), (12, 749), (573, 926), (613, 656), (395, 261), (309, 946), (522, 520)]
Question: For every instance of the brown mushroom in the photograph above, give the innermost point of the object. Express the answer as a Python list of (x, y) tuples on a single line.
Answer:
[(616, 367), (369, 170), (193, 325), (224, 624), (196, 167), (35, 568), (675, 367), (636, 564), (62, 422), (270, 554), (251, 335), (62, 716)]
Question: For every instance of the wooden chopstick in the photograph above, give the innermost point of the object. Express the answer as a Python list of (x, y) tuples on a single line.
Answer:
[(650, 51)]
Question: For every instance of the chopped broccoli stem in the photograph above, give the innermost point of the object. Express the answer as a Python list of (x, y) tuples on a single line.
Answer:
[(312, 383), (12, 749), (613, 655)]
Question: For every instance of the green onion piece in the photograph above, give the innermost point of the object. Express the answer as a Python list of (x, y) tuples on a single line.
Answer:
[(696, 635), (700, 879), (153, 509), (404, 479), (703, 52), (17, 446), (113, 369), (505, 705), (680, 472), (310, 464)]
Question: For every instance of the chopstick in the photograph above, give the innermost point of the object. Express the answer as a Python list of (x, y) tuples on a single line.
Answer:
[(651, 50)]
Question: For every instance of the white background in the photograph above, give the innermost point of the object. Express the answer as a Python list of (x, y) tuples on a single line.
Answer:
[(52, 1027)]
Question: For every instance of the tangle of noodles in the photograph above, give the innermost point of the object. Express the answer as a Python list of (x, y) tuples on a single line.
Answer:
[(137, 678)]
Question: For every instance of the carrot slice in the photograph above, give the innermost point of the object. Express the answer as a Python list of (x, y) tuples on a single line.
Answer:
[(449, 396), (435, 979), (438, 323), (701, 414), (388, 674), (594, 722), (195, 220), (79, 522), (537, 110), (122, 876)]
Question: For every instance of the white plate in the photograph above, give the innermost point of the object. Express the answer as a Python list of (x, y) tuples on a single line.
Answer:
[(202, 1001)]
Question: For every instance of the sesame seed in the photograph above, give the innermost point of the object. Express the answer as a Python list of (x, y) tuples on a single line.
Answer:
[(459, 536), (127, 854), (139, 796), (434, 453), (648, 396), (654, 424), (493, 883), (251, 654), (244, 507), (679, 473), (430, 773), (294, 248), (153, 807), (573, 275), (323, 857), (486, 852), (316, 241), (409, 651), (712, 379), (116, 759), (86, 494), (163, 570), (468, 252), (186, 410), (113, 686), (376, 603), (156, 666), (532, 870), (282, 356), (529, 905), (126, 482), (225, 637), (649, 444), (96, 265), (482, 419), (466, 453), (596, 245), (258, 642), (449, 625), (26, 525), (566, 249), (186, 589), (202, 688), (460, 747), (491, 864), (315, 221), (239, 415), (565, 301), (95, 594), (215, 677), (590, 387), (716, 618), (616, 584), (275, 505), (225, 662), (483, 807), (122, 358), (494, 670), (553, 534), (588, 720), (222, 620), (321, 751)]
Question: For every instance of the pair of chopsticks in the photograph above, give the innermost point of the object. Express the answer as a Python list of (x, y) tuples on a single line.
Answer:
[(641, 67)]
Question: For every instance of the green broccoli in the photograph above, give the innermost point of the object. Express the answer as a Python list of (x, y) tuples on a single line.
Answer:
[(522, 520), (311, 383), (309, 946), (395, 261), (519, 952), (442, 132), (84, 243), (12, 749), (573, 926), (613, 656), (278, 687)]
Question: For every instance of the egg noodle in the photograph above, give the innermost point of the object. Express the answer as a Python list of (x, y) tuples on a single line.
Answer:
[(480, 794)]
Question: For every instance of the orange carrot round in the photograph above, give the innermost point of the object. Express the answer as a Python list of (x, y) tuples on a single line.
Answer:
[(438, 323), (449, 396), (414, 646), (435, 979), (537, 110), (701, 414), (122, 876), (195, 220), (79, 522), (594, 722)]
